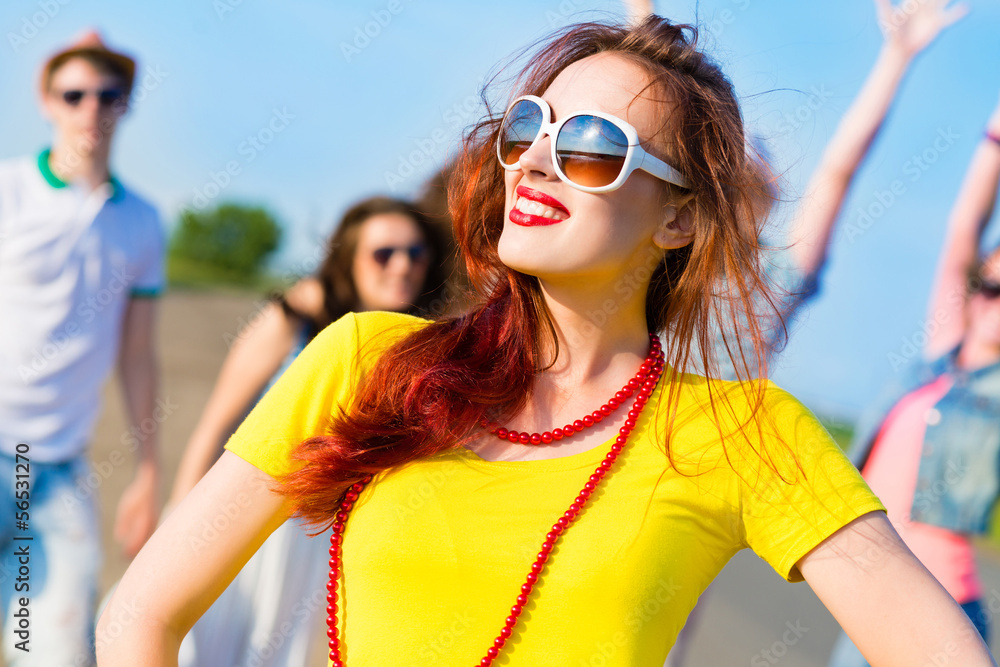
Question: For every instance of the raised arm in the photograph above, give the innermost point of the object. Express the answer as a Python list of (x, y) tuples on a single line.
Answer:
[(907, 30), (256, 355), (187, 564), (891, 607), (971, 212)]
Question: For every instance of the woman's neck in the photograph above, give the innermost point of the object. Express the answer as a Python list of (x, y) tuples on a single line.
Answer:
[(593, 327)]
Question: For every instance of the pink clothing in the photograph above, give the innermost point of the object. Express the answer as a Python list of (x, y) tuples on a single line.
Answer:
[(891, 472)]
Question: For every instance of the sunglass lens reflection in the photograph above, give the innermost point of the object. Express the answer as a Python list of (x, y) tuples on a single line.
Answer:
[(591, 151), (519, 129)]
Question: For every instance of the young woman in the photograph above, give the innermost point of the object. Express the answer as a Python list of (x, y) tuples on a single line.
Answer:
[(930, 447), (385, 255), (615, 190)]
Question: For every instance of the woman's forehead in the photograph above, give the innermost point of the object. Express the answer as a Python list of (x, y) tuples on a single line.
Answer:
[(607, 82)]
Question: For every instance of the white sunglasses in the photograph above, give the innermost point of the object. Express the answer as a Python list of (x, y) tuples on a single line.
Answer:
[(591, 150)]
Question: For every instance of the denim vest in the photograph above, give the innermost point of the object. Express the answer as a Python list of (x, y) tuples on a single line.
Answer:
[(959, 476)]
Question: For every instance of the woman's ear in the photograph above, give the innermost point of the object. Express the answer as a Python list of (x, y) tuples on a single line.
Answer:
[(676, 228)]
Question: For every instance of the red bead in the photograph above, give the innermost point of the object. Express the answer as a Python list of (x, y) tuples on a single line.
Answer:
[(331, 586), (587, 421), (335, 662), (502, 433), (536, 567), (630, 424), (557, 528), (606, 409), (579, 425), (542, 557), (524, 438), (600, 472), (513, 436), (357, 487), (606, 464), (331, 609), (557, 434), (350, 496), (342, 516), (346, 506), (332, 632), (617, 447), (516, 609), (531, 578), (546, 437), (597, 416), (510, 621), (615, 402), (485, 662), (633, 414), (563, 522), (633, 384), (499, 642), (547, 546), (526, 589), (492, 652), (621, 395), (568, 430), (590, 486), (505, 632), (334, 643), (536, 439)]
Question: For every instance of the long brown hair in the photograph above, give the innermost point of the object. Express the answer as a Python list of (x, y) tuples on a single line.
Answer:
[(429, 392)]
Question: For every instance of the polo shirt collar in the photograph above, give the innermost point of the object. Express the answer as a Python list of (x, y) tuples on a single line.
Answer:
[(117, 190)]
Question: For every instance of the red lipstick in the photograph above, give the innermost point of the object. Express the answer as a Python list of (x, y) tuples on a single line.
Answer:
[(528, 220)]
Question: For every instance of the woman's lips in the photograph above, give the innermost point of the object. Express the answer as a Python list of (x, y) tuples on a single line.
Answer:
[(534, 209)]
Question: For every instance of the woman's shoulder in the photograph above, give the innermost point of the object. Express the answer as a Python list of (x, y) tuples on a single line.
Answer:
[(366, 335), (748, 425), (741, 397)]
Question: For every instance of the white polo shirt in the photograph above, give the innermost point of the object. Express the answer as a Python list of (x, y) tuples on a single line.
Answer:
[(70, 260)]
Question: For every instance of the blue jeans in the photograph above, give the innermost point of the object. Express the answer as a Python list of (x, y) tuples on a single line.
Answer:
[(846, 654), (49, 593)]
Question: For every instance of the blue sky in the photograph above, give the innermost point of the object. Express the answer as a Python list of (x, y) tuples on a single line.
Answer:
[(315, 114)]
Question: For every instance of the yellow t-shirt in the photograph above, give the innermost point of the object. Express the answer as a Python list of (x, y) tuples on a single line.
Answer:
[(435, 552)]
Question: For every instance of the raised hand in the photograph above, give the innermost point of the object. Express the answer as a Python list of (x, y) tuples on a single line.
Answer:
[(912, 25)]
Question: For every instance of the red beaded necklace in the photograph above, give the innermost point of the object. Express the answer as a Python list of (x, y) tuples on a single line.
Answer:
[(644, 382)]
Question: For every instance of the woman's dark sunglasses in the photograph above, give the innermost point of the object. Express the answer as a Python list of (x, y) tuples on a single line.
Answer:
[(989, 290), (416, 253), (106, 97)]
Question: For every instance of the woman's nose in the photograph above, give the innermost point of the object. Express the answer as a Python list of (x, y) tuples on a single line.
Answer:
[(538, 158)]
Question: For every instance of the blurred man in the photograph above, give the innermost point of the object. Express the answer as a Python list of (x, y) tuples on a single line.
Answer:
[(81, 262)]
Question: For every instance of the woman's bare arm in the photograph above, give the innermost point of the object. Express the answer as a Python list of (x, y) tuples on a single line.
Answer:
[(255, 356), (972, 210), (908, 30), (891, 607), (187, 563)]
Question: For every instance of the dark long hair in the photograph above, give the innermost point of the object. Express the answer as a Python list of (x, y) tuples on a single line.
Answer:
[(429, 392)]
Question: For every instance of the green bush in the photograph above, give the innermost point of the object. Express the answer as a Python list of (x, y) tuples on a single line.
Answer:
[(228, 244)]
